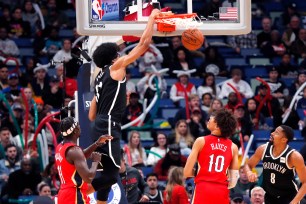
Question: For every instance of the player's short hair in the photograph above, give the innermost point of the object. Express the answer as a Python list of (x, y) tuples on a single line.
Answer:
[(226, 121), (288, 132), (105, 54)]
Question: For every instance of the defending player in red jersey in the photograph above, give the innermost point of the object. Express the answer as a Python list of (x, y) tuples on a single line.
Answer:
[(71, 163), (217, 159)]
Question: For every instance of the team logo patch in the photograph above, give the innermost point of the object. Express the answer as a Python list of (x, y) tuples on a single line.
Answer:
[(97, 10), (282, 160)]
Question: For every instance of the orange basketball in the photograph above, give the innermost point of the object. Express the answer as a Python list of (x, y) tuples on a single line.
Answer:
[(192, 39)]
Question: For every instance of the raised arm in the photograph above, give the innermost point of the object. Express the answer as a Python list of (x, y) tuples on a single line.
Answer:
[(92, 109), (193, 157), (76, 156), (298, 162), (253, 161), (101, 141)]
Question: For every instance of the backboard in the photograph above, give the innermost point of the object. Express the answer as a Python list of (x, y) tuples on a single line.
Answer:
[(125, 17)]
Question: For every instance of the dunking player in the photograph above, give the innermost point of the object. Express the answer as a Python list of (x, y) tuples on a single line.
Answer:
[(109, 103), (280, 162), (71, 163), (217, 158)]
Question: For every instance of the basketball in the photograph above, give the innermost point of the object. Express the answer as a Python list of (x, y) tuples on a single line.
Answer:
[(192, 39)]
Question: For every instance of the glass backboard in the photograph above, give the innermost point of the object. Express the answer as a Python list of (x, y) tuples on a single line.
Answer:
[(126, 17)]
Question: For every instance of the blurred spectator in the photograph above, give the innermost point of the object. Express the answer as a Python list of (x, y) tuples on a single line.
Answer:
[(292, 32), (9, 164), (213, 63), (155, 195), (215, 105), (3, 76), (298, 47), (206, 101), (208, 86), (232, 101), (8, 47), (144, 89), (4, 111), (243, 185), (242, 86), (29, 134), (63, 55), (18, 27), (28, 74), (53, 96), (182, 61), (229, 3), (285, 68), (175, 190), (136, 188), (171, 159), (182, 137), (5, 140), (250, 112), (55, 17), (244, 126), (6, 18), (237, 198), (291, 10), (30, 15), (257, 195), (271, 106), (17, 110), (53, 43), (134, 110), (176, 42), (278, 88), (42, 112), (13, 88), (243, 41), (135, 154), (275, 47), (183, 88), (193, 102), (265, 35), (29, 179), (43, 189), (301, 78), (50, 176), (40, 83), (159, 148), (152, 56), (197, 124)]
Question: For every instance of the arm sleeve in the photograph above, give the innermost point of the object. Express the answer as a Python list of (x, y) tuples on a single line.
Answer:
[(182, 195), (173, 95)]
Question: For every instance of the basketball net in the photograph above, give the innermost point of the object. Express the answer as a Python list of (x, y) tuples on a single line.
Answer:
[(178, 21)]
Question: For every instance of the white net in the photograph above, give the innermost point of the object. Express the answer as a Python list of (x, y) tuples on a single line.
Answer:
[(182, 23)]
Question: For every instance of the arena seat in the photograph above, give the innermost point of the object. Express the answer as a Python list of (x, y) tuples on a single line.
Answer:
[(297, 144), (169, 112)]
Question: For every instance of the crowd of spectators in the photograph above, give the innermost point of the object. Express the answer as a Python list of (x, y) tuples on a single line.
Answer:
[(41, 89)]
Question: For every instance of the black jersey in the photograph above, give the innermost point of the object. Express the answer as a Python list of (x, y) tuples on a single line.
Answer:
[(278, 177), (110, 95)]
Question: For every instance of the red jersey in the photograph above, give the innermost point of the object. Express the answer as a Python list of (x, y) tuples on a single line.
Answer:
[(214, 160), (73, 188)]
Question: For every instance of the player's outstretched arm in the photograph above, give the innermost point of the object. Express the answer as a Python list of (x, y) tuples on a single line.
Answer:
[(76, 157), (101, 141), (92, 109), (193, 157), (297, 161), (253, 161)]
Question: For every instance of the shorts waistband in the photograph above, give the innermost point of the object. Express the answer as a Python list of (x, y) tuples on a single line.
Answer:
[(106, 118)]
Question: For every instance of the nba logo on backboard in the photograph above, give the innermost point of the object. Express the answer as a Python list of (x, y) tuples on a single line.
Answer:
[(97, 10)]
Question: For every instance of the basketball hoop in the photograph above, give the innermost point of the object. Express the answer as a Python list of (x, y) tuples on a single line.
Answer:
[(175, 21)]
